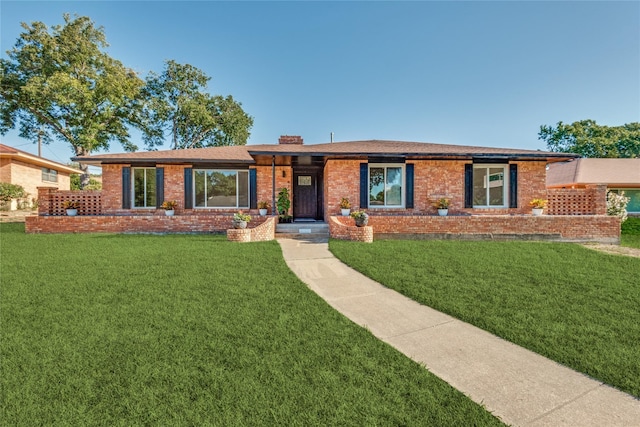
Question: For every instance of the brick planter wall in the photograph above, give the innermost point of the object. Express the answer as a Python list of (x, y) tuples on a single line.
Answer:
[(262, 233), (566, 228), (206, 223), (342, 228)]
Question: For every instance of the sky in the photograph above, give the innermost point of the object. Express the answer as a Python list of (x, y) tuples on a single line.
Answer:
[(484, 73)]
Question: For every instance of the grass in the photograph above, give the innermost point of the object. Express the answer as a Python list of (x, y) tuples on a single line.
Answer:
[(631, 233), (571, 304), (128, 330)]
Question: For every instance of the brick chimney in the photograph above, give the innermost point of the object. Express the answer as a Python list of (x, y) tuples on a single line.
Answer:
[(290, 139)]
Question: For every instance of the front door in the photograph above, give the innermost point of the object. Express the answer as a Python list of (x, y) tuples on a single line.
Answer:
[(305, 194)]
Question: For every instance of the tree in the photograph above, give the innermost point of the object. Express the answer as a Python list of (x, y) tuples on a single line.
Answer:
[(589, 139), (10, 191), (61, 85), (176, 103)]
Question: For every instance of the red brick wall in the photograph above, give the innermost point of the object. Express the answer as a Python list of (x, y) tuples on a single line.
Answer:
[(339, 229), (112, 188), (262, 233), (264, 179), (206, 223), (174, 184), (433, 179), (590, 200), (51, 201), (598, 228), (341, 179)]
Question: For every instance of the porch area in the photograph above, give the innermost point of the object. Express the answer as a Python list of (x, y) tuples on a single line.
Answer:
[(573, 215)]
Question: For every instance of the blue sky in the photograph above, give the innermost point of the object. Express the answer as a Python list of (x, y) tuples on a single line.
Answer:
[(473, 73)]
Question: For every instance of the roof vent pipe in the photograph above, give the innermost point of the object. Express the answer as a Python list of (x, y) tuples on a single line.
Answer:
[(332, 137)]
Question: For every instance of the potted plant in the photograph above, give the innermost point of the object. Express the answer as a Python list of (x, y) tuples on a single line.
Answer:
[(442, 205), (71, 207), (169, 207), (263, 206), (538, 206), (283, 204), (360, 217), (240, 220), (345, 206)]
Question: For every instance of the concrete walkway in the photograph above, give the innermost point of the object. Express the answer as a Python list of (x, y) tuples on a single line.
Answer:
[(520, 387)]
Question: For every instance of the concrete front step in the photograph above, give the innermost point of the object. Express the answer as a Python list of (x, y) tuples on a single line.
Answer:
[(302, 229)]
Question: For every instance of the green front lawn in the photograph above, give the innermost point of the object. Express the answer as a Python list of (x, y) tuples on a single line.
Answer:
[(125, 330), (631, 233), (574, 305)]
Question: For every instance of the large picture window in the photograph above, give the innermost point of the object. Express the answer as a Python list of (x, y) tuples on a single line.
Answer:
[(490, 186), (221, 188), (144, 187), (386, 184)]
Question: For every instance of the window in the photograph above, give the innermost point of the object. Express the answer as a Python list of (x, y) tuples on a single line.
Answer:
[(221, 188), (634, 198), (490, 186), (386, 185), (49, 175), (144, 187)]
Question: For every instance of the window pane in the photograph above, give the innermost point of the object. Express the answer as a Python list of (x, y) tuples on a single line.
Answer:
[(634, 198), (199, 181), (223, 189), (634, 203), (394, 187), (138, 188), (479, 187), (243, 189), (496, 186), (151, 188), (376, 186)]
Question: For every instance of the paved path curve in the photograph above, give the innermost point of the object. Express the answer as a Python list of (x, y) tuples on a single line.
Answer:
[(520, 387)]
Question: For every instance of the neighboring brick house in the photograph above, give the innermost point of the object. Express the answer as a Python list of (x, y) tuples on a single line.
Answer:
[(396, 182), (618, 174), (31, 171)]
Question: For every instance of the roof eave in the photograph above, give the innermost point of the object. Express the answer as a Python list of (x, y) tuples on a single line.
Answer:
[(165, 161), (40, 161)]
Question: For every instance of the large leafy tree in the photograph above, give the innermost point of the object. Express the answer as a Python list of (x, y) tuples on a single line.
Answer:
[(177, 104), (589, 139), (60, 84)]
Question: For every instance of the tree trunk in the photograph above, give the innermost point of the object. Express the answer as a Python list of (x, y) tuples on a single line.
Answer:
[(85, 176)]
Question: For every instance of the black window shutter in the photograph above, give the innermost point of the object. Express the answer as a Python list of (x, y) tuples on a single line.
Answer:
[(188, 188), (159, 187), (409, 172), (513, 186), (468, 186), (126, 188), (364, 185), (253, 189)]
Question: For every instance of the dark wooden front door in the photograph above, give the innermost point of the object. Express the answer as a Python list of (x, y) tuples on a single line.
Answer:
[(305, 194)]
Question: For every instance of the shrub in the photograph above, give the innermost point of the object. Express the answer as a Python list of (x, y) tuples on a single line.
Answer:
[(617, 205), (284, 202), (631, 226), (11, 191)]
